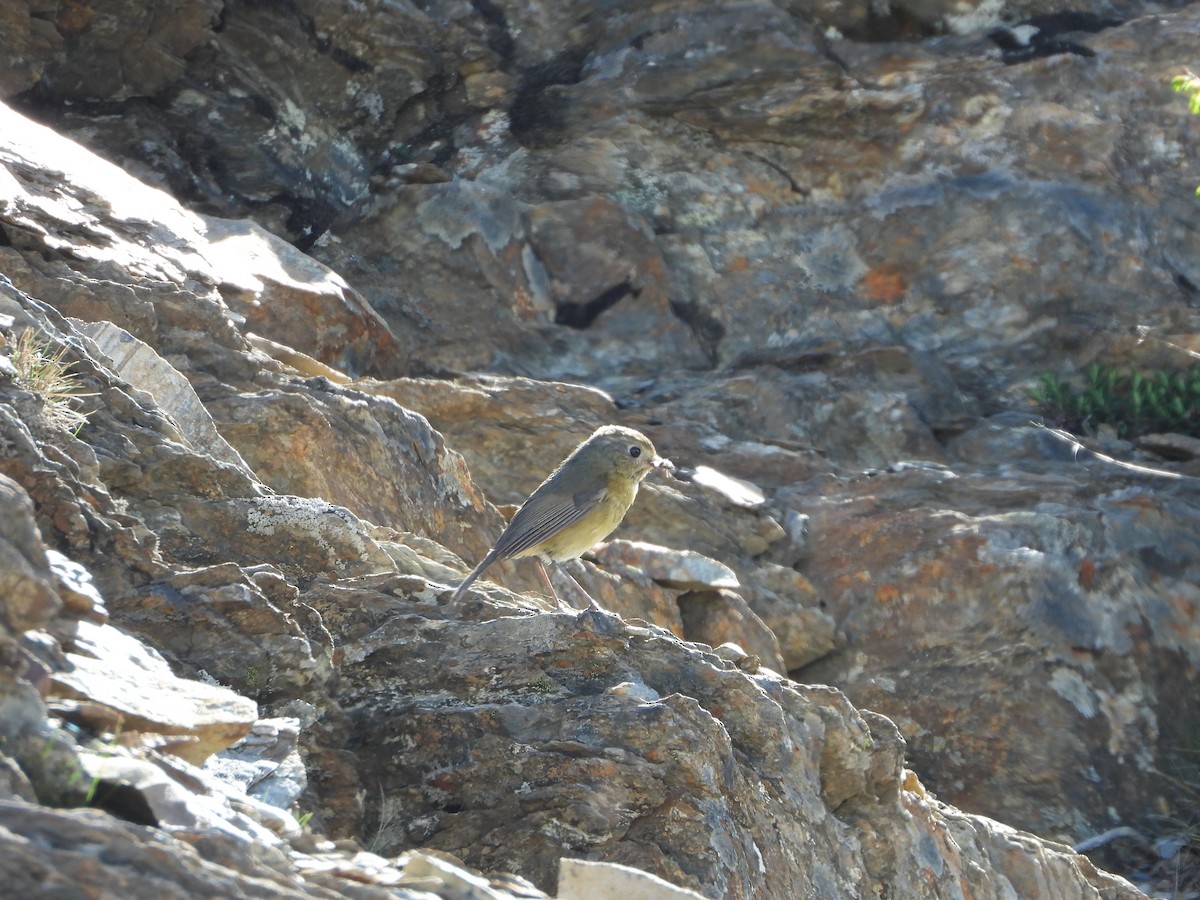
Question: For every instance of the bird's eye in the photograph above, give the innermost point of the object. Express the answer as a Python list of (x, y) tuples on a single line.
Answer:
[(635, 452)]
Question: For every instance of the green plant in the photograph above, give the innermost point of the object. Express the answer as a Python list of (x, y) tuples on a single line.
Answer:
[(1189, 82), (101, 745), (47, 372), (1131, 402)]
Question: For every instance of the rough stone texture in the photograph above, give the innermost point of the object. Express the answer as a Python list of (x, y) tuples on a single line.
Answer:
[(287, 294), (24, 569), (684, 569), (536, 265), (93, 716), (579, 879), (369, 454), (136, 689), (719, 617), (265, 763), (138, 364), (817, 251), (1072, 600), (702, 767), (52, 853)]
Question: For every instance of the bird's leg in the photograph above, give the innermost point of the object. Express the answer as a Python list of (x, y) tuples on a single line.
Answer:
[(546, 581), (579, 587)]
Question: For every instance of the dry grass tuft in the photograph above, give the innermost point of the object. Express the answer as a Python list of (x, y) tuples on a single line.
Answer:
[(45, 371)]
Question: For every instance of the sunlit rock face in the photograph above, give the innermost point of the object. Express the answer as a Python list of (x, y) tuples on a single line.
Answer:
[(353, 274)]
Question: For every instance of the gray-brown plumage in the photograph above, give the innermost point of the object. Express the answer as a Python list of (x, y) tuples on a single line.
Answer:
[(579, 505)]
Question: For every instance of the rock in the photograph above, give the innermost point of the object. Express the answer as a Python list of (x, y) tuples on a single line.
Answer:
[(32, 41), (42, 846), (39, 761), (579, 879), (137, 687), (135, 52), (166, 792), (35, 217), (567, 175), (265, 763), (25, 574), (138, 364), (1171, 446), (715, 617), (624, 589), (13, 783), (293, 532), (635, 690), (735, 654), (942, 585), (301, 363), (45, 846), (517, 286), (74, 585), (515, 795), (512, 432), (296, 437), (287, 294), (451, 877), (246, 628), (253, 55), (736, 491), (805, 248), (679, 569), (790, 605)]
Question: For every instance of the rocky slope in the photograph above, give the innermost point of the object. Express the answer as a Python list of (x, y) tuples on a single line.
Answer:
[(368, 267)]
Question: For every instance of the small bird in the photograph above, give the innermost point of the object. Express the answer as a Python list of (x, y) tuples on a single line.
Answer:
[(579, 505)]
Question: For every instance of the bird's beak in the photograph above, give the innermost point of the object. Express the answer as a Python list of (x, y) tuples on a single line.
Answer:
[(663, 464)]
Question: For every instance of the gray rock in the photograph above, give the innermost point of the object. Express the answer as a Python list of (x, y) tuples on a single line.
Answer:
[(265, 763), (136, 685), (25, 571), (717, 617), (579, 879), (138, 364), (680, 569), (793, 242), (506, 693)]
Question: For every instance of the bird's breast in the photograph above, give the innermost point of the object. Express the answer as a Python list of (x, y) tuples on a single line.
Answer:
[(594, 527)]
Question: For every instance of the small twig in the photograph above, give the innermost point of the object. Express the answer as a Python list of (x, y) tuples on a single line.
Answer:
[(1078, 448), (1143, 332), (1107, 837)]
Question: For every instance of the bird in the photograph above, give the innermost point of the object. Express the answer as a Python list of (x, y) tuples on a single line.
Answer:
[(577, 506)]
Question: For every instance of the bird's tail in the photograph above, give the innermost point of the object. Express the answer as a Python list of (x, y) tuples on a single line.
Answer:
[(470, 579)]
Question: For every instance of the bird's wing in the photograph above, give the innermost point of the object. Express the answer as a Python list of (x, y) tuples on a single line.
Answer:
[(543, 515)]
